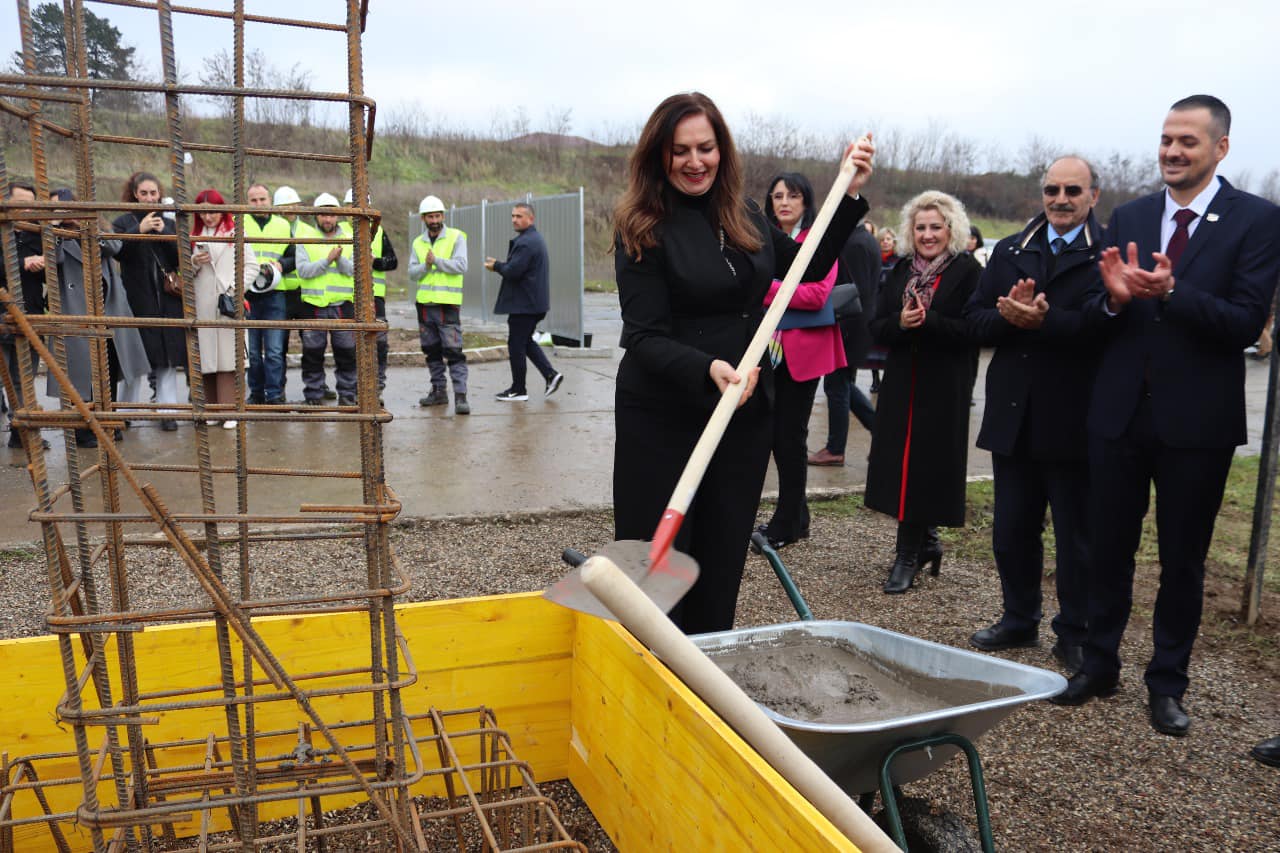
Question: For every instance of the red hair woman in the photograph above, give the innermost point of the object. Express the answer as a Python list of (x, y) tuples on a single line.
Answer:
[(215, 265)]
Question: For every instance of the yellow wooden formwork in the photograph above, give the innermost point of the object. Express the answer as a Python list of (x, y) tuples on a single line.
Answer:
[(578, 696)]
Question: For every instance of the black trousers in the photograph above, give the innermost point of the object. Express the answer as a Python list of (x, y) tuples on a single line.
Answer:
[(1024, 487), (9, 347), (653, 442), (294, 309), (793, 402), (1189, 483), (520, 346)]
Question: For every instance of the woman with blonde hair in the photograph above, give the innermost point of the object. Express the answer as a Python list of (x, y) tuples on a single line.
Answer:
[(694, 260), (919, 449), (215, 266)]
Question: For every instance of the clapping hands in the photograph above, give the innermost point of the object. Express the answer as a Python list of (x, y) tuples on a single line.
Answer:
[(1023, 307), (1125, 280)]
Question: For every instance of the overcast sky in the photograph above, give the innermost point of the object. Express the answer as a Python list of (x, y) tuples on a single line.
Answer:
[(1094, 77)]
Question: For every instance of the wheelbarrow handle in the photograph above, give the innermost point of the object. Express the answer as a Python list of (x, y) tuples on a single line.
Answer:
[(573, 557)]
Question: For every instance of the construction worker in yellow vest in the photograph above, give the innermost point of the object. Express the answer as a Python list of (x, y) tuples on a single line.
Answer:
[(437, 264), (384, 260), (269, 235), (328, 286), (283, 200)]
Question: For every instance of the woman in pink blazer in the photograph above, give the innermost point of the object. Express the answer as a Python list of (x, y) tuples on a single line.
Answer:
[(800, 356)]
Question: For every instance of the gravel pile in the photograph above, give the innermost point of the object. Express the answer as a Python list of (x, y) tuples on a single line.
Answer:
[(1091, 778)]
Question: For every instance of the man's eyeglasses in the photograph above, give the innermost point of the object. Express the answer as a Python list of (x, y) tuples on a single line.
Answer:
[(1072, 190)]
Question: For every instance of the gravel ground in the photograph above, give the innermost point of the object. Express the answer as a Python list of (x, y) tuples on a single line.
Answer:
[(1091, 778)]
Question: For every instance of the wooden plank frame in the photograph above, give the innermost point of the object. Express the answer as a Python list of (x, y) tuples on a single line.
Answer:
[(580, 698)]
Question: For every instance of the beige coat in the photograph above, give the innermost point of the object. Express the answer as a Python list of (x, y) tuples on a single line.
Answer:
[(217, 346)]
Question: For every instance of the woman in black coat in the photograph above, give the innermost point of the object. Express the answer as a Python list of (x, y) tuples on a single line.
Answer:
[(694, 260), (920, 446), (143, 264)]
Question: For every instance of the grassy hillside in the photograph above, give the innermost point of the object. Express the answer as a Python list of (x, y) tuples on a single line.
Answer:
[(463, 170)]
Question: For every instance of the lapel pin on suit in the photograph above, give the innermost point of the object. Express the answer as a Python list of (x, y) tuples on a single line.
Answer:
[(1212, 217)]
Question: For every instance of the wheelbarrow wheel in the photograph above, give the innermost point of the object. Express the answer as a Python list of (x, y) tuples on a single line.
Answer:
[(932, 831)]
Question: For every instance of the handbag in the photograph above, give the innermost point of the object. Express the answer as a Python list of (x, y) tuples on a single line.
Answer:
[(169, 279), (227, 305), (808, 318), (846, 302)]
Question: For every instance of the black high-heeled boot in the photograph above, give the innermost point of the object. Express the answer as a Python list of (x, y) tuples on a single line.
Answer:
[(907, 563), (931, 551)]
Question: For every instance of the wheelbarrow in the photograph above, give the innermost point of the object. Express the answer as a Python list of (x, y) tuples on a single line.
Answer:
[(881, 755)]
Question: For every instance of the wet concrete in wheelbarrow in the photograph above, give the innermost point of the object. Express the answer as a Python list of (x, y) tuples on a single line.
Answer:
[(829, 680)]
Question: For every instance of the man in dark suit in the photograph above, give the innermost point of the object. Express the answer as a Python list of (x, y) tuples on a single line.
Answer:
[(525, 297), (1189, 273), (1030, 305)]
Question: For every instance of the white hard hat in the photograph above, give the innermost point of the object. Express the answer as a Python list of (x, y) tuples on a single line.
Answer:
[(346, 199), (325, 200), (265, 281), (431, 204), (286, 195)]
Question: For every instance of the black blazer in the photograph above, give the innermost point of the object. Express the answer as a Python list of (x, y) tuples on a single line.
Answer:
[(860, 264), (1187, 350), (682, 306), (526, 276), (1039, 380)]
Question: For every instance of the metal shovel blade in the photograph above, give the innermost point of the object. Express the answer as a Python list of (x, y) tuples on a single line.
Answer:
[(664, 586)]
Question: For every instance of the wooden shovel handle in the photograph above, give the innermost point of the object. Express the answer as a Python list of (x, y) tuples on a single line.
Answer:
[(651, 626), (696, 467)]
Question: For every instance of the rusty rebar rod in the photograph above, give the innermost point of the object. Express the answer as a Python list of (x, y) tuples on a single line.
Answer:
[(61, 107)]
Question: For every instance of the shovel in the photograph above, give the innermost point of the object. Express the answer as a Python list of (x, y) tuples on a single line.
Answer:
[(608, 585), (662, 574)]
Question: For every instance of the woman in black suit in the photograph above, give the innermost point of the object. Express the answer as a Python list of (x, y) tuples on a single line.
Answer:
[(920, 446), (694, 260)]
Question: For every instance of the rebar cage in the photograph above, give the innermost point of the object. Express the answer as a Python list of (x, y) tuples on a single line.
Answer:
[(269, 739)]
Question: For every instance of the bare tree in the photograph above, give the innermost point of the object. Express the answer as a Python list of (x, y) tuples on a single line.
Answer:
[(259, 73), (513, 127), (1036, 155), (1270, 186)]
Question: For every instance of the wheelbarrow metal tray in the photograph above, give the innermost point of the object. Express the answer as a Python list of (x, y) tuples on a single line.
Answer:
[(851, 752)]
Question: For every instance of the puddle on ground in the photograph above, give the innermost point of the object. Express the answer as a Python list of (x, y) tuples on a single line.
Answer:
[(829, 680)]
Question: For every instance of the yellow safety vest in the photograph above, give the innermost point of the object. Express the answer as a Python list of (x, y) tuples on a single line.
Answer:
[(291, 281), (330, 287), (269, 241), (436, 287), (379, 276)]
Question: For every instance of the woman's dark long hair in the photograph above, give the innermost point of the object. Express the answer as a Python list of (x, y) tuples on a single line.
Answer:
[(130, 193), (643, 206), (796, 183)]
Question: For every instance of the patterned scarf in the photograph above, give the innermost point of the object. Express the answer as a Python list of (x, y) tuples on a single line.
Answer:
[(923, 275)]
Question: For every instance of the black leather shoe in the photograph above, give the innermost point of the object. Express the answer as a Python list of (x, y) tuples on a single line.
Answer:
[(169, 425), (1268, 752), (1167, 716), (1082, 687), (1070, 655), (998, 636)]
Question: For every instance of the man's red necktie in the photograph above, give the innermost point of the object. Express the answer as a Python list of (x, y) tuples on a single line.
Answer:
[(1178, 242)]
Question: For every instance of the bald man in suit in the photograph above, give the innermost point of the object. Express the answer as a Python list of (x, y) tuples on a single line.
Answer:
[(1190, 273)]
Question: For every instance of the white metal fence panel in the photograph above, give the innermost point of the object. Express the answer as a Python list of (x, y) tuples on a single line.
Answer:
[(559, 218)]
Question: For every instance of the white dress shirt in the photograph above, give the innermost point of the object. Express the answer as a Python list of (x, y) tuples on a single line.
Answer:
[(1199, 204)]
